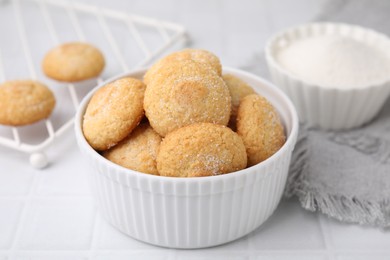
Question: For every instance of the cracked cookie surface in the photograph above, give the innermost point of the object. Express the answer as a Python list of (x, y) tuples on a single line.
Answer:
[(260, 128), (200, 56), (24, 102), (138, 151), (202, 149), (74, 61), (238, 90), (184, 93), (113, 112)]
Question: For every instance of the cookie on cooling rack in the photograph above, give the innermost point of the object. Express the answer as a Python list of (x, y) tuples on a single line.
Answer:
[(186, 92), (197, 55), (202, 149), (260, 128), (138, 151), (24, 102), (113, 112), (71, 62)]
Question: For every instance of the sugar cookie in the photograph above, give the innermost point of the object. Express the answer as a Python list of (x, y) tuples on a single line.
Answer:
[(197, 55), (24, 102), (113, 112), (186, 92), (73, 61), (202, 149), (138, 151), (238, 90), (260, 128)]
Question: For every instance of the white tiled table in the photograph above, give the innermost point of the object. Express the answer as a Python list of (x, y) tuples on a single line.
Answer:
[(49, 214)]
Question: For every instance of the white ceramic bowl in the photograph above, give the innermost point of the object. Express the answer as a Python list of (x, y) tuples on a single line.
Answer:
[(192, 212), (324, 106)]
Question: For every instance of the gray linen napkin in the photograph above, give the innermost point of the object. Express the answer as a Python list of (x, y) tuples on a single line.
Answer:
[(345, 175)]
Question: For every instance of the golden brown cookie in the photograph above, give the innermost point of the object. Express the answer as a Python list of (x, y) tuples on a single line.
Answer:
[(202, 149), (138, 151), (238, 90), (24, 102), (113, 112), (186, 92), (260, 128), (73, 61), (197, 55)]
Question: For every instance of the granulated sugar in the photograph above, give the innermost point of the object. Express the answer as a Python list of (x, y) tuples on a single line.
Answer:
[(335, 61)]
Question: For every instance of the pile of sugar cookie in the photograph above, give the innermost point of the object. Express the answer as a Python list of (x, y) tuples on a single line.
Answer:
[(23, 102), (185, 119)]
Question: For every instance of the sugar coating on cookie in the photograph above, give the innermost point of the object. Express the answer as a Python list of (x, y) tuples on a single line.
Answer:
[(202, 149), (24, 102), (259, 126), (238, 90), (197, 55), (138, 151), (186, 92), (73, 61), (113, 112)]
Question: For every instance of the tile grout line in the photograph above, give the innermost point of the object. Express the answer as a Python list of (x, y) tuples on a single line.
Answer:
[(48, 197), (94, 235), (156, 249), (23, 215), (324, 226)]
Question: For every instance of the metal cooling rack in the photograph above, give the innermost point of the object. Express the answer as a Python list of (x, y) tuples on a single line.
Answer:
[(169, 34)]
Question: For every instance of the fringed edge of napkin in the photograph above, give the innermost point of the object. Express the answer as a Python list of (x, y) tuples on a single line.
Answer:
[(348, 209)]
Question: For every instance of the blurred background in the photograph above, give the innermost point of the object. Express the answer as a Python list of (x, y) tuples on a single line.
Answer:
[(49, 214)]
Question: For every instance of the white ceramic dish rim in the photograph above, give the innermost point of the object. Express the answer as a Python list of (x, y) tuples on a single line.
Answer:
[(272, 60), (290, 138)]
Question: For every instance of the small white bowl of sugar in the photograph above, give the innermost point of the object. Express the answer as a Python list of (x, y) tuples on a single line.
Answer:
[(337, 75)]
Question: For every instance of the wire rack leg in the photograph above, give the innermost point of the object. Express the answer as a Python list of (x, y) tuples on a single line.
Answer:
[(39, 160)]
